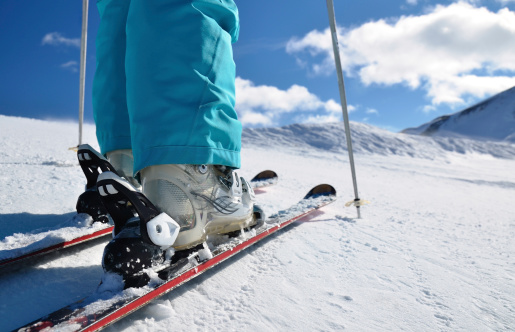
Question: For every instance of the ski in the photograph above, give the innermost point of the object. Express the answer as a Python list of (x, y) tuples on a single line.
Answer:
[(107, 306), (82, 228), (42, 246)]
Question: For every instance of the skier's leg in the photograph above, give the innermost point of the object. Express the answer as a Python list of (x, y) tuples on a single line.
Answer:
[(180, 82), (109, 90), (109, 105), (181, 95)]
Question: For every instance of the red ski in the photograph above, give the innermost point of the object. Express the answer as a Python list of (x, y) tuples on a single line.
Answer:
[(58, 246), (103, 308)]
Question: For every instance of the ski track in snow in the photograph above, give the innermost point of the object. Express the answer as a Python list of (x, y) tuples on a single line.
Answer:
[(433, 252)]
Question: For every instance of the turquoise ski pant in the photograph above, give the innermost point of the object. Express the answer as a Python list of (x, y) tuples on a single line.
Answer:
[(164, 82)]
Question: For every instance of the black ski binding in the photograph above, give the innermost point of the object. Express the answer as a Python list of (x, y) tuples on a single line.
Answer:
[(92, 164), (131, 250)]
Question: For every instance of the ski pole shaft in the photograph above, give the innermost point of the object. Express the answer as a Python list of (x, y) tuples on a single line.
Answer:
[(343, 98), (83, 47)]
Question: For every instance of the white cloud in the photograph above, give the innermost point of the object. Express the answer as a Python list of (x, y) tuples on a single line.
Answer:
[(411, 2), (451, 51), (372, 111), (71, 66), (428, 108), (316, 43), (56, 39), (332, 106), (251, 118), (264, 104)]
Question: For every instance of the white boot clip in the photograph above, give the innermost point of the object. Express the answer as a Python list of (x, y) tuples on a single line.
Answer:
[(163, 230)]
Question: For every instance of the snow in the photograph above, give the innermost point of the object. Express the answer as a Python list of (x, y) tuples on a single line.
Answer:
[(493, 119), (19, 244), (434, 250)]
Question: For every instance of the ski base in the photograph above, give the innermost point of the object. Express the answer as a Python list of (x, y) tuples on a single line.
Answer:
[(108, 306)]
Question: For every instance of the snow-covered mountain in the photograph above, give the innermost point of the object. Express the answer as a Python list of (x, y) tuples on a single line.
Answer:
[(368, 139), (433, 252), (493, 119)]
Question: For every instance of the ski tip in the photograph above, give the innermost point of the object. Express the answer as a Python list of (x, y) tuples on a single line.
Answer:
[(265, 175), (321, 190)]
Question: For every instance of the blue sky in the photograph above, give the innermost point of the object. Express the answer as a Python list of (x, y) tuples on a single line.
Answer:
[(405, 61)]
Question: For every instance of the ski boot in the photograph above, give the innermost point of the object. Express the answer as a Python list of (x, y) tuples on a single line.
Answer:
[(196, 200), (202, 199), (123, 162)]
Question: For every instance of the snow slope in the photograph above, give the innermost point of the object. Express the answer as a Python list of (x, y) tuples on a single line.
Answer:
[(492, 119), (433, 252), (369, 140)]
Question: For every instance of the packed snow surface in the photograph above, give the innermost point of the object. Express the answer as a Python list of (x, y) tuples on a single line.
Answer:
[(434, 250)]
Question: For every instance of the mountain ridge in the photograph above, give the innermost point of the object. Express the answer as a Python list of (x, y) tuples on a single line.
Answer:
[(491, 119), (367, 139)]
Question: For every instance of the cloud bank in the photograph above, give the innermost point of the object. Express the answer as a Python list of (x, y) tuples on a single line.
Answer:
[(451, 52), (265, 105)]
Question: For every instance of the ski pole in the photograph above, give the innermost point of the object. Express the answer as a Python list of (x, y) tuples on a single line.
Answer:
[(83, 46), (343, 99)]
